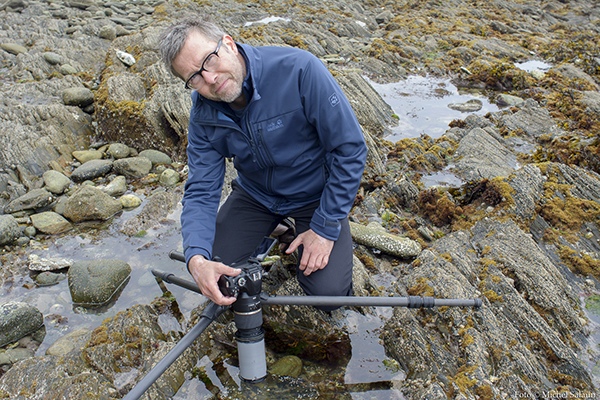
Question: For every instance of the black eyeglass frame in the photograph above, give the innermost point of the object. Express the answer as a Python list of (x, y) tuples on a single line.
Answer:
[(202, 69)]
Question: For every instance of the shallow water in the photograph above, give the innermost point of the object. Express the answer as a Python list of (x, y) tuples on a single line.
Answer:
[(421, 105), (534, 65)]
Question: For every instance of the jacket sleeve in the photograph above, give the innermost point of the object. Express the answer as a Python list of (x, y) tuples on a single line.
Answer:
[(329, 111), (202, 193)]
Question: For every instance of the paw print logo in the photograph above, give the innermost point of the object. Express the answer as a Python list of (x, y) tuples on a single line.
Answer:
[(334, 100)]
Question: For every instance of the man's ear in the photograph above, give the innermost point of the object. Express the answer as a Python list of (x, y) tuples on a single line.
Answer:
[(230, 43)]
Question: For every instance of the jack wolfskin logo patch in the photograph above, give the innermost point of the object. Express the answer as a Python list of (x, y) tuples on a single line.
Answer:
[(334, 100), (273, 125)]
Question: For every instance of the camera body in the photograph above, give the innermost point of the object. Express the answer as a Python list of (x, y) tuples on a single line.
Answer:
[(249, 281)]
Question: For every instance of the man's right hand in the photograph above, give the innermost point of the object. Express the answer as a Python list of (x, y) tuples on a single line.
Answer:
[(206, 273)]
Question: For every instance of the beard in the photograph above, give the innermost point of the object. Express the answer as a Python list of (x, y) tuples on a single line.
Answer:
[(234, 82)]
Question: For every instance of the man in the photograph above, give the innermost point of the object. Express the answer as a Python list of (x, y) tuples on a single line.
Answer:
[(295, 143)]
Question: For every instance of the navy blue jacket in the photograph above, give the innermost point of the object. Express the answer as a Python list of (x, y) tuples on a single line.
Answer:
[(297, 141)]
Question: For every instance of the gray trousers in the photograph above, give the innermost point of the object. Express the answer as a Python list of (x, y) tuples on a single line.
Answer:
[(242, 223)]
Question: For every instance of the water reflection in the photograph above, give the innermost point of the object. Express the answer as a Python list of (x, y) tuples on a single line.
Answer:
[(422, 105), (533, 66)]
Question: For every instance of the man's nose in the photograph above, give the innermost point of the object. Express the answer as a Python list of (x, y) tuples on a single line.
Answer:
[(209, 77)]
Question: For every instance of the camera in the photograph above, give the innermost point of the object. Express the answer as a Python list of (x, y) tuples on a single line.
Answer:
[(248, 281)]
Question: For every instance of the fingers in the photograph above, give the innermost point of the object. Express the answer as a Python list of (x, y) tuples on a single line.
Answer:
[(312, 262), (206, 274), (315, 252)]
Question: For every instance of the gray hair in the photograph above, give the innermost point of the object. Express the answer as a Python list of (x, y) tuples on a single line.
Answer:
[(171, 41)]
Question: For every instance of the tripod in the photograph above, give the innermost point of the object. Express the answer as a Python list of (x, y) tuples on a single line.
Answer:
[(247, 309)]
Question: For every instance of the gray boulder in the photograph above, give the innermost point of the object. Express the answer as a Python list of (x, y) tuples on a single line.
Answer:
[(116, 187), (91, 170), (94, 283), (89, 204), (118, 150), (50, 222), (9, 229), (78, 96), (18, 320), (55, 181), (33, 200), (133, 167), (156, 157)]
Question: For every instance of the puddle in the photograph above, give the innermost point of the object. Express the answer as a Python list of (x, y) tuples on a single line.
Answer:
[(442, 178), (267, 20), (534, 66), (422, 105)]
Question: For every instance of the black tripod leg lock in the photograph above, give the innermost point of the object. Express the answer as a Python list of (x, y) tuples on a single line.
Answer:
[(420, 302)]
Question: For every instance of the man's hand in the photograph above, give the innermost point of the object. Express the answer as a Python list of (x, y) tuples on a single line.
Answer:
[(207, 273), (315, 254)]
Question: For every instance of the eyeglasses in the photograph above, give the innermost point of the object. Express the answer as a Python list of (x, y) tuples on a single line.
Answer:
[(211, 61)]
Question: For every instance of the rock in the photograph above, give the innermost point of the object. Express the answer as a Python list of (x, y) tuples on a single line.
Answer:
[(157, 207), (13, 48), (133, 167), (55, 182), (9, 229), (507, 100), (48, 278), (142, 343), (52, 58), (83, 156), (469, 106), (156, 157), (67, 380), (78, 96), (592, 101), (516, 278), (35, 199), (67, 69), (73, 341), (50, 222), (169, 177), (312, 333), (108, 32), (481, 155), (92, 170), (37, 263), (528, 185), (18, 320), (570, 71), (118, 150), (130, 201), (12, 356), (94, 283), (287, 366), (378, 238), (89, 204), (116, 187), (126, 87), (532, 119)]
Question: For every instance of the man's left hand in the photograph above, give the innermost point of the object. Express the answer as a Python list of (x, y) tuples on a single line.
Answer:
[(315, 254)]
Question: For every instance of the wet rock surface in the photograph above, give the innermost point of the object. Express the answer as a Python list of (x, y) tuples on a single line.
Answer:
[(96, 125)]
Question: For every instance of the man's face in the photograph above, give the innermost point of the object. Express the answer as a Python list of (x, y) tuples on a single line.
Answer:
[(223, 80)]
